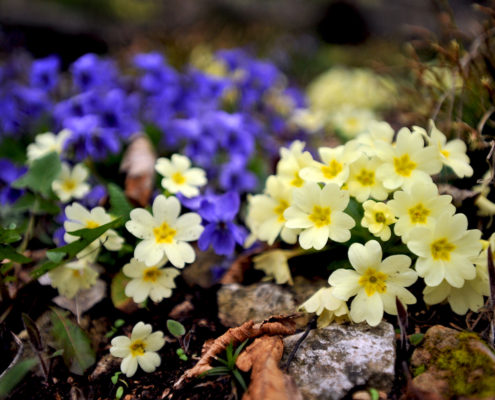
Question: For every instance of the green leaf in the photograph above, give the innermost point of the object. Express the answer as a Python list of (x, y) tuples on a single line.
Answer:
[(72, 249), (15, 375), (175, 328), (240, 379), (33, 332), (42, 172), (119, 393), (374, 394), (9, 253), (117, 294), (55, 256), (78, 354), (115, 377), (8, 236), (119, 205), (181, 354), (416, 338)]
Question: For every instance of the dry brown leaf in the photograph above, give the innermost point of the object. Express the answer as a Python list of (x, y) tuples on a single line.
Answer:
[(277, 325), (268, 382), (139, 164), (235, 273)]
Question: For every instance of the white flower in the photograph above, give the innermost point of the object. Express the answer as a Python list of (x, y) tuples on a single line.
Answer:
[(363, 183), (179, 177), (418, 205), (375, 283), (292, 161), (407, 161), (265, 216), (78, 217), (446, 250), (274, 264), (154, 282), (320, 215), (326, 306), (141, 348), (378, 134), (72, 277), (350, 121), (452, 153), (164, 232), (377, 218), (46, 143), (71, 183)]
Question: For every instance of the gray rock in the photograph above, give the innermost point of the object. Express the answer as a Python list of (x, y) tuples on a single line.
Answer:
[(334, 360), (238, 304)]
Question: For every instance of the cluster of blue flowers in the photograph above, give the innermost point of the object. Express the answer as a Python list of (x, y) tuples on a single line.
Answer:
[(225, 123)]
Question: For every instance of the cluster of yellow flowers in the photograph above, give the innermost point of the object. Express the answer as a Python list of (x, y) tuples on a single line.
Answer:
[(306, 201)]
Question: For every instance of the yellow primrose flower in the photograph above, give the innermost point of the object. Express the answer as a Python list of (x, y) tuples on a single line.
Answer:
[(265, 216), (164, 232), (377, 218), (154, 282), (46, 143), (324, 304), (179, 177), (274, 264), (377, 135), (418, 205), (350, 121), (363, 183), (319, 212), (407, 161), (71, 183), (334, 166), (141, 348), (467, 297), (452, 153), (78, 217), (374, 282), (292, 161), (72, 277), (446, 250)]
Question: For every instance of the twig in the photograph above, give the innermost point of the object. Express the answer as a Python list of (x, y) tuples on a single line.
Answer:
[(311, 325), (17, 356)]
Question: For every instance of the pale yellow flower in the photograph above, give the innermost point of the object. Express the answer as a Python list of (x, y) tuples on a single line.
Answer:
[(274, 263), (141, 348), (72, 277), (363, 182), (292, 161), (375, 283), (377, 218), (46, 143), (319, 212), (446, 250), (328, 308), (71, 183), (350, 121)]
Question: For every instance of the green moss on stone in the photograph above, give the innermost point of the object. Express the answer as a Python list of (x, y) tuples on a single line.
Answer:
[(419, 370), (471, 371)]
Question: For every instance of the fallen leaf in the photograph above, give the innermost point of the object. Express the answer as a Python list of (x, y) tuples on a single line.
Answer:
[(276, 325), (139, 164), (268, 382), (235, 274), (117, 294)]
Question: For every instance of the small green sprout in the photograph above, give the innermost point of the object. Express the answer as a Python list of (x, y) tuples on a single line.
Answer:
[(113, 330), (120, 390), (374, 394), (228, 367), (178, 330)]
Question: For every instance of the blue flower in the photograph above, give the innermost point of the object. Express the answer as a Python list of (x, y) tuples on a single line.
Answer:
[(91, 72), (44, 73), (8, 174), (220, 231), (235, 176)]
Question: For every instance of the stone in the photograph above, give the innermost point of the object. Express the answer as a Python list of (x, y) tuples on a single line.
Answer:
[(334, 360), (451, 363), (238, 304)]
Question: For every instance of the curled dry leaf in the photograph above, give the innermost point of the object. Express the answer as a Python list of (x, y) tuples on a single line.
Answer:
[(267, 380), (278, 325), (139, 164), (236, 271)]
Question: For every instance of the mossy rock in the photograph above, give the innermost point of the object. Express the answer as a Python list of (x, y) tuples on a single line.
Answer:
[(454, 364)]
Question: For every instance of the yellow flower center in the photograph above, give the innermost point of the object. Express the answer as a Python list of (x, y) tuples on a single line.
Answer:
[(441, 249), (320, 216), (164, 233), (380, 217), (297, 181), (279, 210), (76, 273), (331, 170), (352, 123), (178, 178), (445, 153), (151, 274), (418, 214), (137, 348), (68, 185), (366, 177), (92, 224), (404, 165), (373, 281)]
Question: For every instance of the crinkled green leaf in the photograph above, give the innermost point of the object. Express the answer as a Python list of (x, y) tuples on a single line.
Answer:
[(87, 236), (119, 204), (11, 254), (8, 235), (175, 328), (42, 172), (15, 375), (78, 353)]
